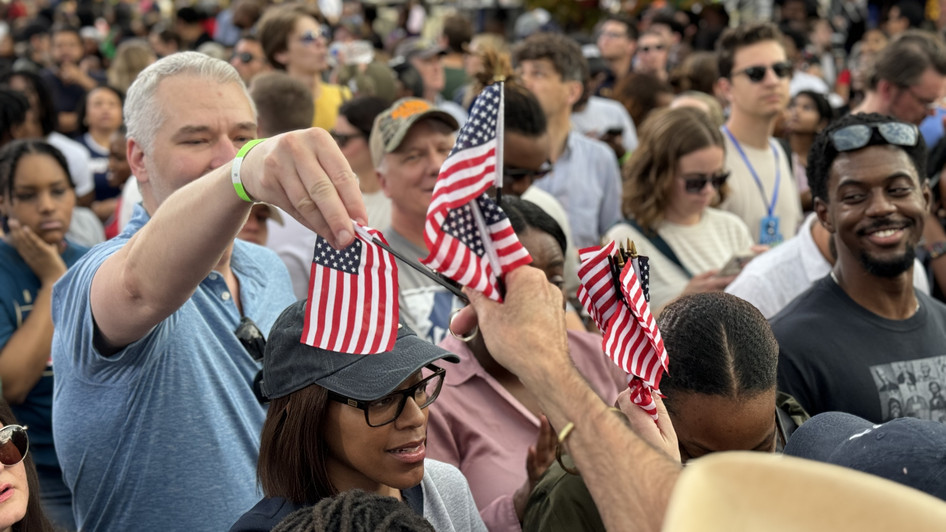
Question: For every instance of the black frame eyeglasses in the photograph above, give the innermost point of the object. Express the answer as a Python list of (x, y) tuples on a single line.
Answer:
[(521, 173), (343, 138), (383, 409), (244, 57), (857, 136), (694, 183), (14, 444), (756, 73)]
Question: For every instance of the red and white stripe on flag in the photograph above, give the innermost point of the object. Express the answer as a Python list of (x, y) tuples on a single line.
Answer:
[(631, 337), (460, 248), (352, 305)]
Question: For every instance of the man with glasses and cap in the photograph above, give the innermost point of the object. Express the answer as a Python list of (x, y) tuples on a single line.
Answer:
[(754, 76), (427, 58), (908, 78), (867, 178)]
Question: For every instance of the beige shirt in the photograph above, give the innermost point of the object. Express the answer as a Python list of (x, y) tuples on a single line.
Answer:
[(744, 198), (704, 246)]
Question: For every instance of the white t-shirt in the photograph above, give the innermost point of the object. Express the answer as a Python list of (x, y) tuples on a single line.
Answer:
[(78, 159)]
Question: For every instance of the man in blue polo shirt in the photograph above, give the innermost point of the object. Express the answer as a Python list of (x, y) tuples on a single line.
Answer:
[(155, 419)]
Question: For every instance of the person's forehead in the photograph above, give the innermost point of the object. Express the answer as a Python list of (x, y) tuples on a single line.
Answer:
[(870, 162), (615, 27), (207, 94), (424, 131), (762, 52), (650, 38), (931, 84)]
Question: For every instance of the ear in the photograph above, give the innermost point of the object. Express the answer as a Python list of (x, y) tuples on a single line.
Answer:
[(723, 88), (136, 160), (382, 180), (821, 210), (281, 58), (927, 194), (575, 90), (885, 89)]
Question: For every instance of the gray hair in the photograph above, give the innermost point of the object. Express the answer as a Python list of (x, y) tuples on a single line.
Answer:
[(143, 113)]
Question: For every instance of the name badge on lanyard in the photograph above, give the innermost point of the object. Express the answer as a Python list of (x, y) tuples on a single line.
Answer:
[(769, 230)]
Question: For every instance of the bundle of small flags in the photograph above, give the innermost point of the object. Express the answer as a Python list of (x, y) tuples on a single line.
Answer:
[(614, 290)]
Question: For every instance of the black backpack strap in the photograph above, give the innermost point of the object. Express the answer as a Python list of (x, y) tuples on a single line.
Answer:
[(660, 244)]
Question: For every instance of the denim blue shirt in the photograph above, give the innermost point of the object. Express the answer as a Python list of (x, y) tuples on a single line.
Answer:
[(587, 182), (163, 435)]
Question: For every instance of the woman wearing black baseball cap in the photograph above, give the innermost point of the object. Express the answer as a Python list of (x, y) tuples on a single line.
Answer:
[(338, 421)]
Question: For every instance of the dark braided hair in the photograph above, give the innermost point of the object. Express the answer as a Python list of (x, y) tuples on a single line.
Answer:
[(355, 511), (719, 345), (13, 109)]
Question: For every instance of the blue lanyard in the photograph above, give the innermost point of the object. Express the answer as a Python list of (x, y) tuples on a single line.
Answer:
[(755, 176)]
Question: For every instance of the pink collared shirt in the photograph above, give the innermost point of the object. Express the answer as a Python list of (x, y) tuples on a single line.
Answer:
[(479, 427)]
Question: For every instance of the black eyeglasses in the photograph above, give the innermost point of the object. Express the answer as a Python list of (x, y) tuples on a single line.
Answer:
[(656, 47), (857, 136), (343, 138), (694, 183), (382, 411), (244, 57), (757, 73), (522, 173), (14, 444)]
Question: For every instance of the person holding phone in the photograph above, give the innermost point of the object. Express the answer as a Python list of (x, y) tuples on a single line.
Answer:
[(670, 182), (36, 201)]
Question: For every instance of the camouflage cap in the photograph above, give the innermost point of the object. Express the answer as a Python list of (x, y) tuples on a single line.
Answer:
[(391, 126)]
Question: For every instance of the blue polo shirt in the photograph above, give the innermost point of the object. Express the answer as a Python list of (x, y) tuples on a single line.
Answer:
[(163, 435)]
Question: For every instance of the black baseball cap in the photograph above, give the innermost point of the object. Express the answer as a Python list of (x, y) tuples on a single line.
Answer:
[(290, 365)]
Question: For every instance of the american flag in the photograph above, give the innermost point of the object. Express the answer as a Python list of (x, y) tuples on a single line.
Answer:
[(352, 306), (469, 237), (620, 309)]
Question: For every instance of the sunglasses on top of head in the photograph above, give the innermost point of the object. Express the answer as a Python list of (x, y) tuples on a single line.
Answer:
[(14, 444), (694, 183), (757, 73), (857, 136)]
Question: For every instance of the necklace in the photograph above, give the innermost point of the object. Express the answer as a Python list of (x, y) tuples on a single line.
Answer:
[(835, 278)]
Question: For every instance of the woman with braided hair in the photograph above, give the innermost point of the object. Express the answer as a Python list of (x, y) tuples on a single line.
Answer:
[(355, 511)]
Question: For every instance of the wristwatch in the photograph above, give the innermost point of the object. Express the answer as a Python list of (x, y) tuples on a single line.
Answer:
[(936, 249)]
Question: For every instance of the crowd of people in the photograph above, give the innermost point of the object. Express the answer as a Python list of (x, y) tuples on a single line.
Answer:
[(164, 178)]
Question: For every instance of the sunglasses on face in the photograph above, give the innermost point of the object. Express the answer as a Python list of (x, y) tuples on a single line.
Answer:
[(757, 73), (244, 57), (522, 173), (857, 136), (382, 411), (310, 36), (343, 138), (656, 47), (694, 183), (14, 444)]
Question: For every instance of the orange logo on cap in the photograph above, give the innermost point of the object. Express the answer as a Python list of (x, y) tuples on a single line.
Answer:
[(409, 108)]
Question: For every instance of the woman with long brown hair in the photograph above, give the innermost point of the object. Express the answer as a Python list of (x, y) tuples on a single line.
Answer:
[(670, 182)]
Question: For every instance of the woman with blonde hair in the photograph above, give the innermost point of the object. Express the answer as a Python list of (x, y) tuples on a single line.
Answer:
[(674, 176), (131, 58)]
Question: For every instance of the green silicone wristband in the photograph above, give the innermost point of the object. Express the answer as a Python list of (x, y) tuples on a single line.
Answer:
[(235, 170)]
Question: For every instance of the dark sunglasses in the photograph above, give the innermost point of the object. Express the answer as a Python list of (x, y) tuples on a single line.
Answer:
[(342, 138), (244, 57), (757, 73), (382, 411), (656, 47), (522, 173), (857, 136), (694, 183), (310, 36), (14, 444)]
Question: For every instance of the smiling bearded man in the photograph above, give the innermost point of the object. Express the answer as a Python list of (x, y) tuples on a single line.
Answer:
[(867, 177)]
